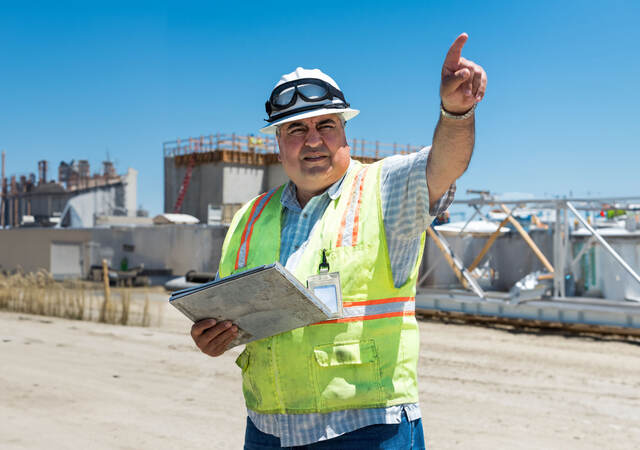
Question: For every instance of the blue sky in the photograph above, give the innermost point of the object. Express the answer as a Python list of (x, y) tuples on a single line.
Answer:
[(79, 80)]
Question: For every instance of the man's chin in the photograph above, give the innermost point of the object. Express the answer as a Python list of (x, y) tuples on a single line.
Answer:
[(319, 178), (318, 171)]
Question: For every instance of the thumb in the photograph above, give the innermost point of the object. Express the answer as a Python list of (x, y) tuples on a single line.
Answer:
[(453, 81)]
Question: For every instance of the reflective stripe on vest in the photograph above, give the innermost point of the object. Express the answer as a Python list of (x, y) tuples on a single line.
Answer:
[(375, 309), (348, 233), (258, 206)]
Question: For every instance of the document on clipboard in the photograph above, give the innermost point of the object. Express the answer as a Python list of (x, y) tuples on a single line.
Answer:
[(262, 302)]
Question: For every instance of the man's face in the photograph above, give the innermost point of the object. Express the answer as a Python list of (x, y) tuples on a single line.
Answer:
[(314, 152)]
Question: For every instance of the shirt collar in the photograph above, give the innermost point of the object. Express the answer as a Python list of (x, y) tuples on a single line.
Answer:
[(289, 199)]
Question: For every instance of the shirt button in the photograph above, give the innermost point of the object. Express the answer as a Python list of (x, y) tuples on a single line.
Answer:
[(305, 215), (297, 246)]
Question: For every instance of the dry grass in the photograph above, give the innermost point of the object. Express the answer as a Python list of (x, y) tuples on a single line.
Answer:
[(38, 293)]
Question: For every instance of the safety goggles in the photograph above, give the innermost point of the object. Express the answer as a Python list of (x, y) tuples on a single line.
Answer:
[(311, 90)]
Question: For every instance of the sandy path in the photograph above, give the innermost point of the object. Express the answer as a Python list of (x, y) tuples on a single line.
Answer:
[(69, 384)]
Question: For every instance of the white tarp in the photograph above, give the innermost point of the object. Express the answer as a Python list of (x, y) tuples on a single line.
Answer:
[(81, 210), (167, 218)]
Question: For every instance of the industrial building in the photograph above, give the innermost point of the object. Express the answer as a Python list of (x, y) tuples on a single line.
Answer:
[(76, 199), (211, 177), (71, 252)]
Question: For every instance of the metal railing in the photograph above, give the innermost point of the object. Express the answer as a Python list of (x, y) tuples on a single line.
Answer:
[(562, 261), (219, 141), (268, 144)]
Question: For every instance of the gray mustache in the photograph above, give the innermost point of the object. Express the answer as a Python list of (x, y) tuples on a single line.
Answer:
[(320, 151)]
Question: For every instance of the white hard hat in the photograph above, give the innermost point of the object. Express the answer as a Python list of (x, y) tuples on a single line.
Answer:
[(305, 93)]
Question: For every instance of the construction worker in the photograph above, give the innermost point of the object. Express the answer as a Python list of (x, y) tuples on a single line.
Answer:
[(251, 143), (351, 382)]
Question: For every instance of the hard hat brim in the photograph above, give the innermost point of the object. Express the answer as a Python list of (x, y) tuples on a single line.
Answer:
[(346, 113)]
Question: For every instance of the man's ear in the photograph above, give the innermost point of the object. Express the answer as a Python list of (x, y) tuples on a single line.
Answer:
[(278, 143)]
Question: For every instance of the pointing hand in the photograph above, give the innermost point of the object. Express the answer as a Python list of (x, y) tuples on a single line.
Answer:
[(463, 82)]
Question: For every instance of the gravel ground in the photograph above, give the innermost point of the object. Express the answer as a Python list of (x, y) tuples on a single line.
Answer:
[(70, 384)]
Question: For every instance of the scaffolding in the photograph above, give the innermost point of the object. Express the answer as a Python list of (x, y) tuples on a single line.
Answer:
[(559, 307), (264, 148)]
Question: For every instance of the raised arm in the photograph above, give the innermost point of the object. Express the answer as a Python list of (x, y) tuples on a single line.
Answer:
[(463, 85)]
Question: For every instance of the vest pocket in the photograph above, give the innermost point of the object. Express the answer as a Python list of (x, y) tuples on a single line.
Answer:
[(347, 375)]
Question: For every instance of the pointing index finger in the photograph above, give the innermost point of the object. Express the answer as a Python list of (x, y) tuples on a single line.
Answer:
[(455, 51)]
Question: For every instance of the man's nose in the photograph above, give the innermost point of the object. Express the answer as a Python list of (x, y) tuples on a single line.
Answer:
[(313, 138)]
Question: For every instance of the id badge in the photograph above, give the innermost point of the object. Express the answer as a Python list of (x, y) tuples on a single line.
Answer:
[(326, 286)]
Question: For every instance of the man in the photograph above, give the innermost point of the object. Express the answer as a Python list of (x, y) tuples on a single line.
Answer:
[(351, 382)]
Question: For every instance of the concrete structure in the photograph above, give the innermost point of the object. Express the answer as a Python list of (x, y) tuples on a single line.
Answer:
[(218, 184), (71, 252)]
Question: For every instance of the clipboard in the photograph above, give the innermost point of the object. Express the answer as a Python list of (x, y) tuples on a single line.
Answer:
[(262, 302)]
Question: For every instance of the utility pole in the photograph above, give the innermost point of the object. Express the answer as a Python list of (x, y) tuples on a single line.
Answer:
[(3, 193), (14, 202)]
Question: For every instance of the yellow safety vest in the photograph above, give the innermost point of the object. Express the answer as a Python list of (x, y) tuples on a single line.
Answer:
[(368, 358)]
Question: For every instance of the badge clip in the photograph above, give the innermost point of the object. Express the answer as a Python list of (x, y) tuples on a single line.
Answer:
[(326, 286)]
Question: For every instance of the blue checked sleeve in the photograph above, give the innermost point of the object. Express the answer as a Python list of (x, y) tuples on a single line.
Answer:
[(405, 208)]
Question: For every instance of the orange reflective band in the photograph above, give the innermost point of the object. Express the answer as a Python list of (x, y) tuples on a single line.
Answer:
[(243, 249), (246, 227), (254, 222), (356, 218), (343, 222), (372, 317), (379, 302)]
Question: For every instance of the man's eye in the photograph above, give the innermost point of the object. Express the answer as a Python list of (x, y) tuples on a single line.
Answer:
[(296, 131)]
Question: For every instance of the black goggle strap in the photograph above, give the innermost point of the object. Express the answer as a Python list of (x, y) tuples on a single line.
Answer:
[(301, 82), (304, 108), (331, 92)]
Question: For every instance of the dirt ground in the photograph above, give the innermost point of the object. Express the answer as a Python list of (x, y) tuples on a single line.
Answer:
[(68, 384)]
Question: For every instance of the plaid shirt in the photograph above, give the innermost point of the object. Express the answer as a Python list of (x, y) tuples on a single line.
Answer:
[(405, 209)]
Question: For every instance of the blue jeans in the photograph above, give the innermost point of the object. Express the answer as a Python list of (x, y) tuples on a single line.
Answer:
[(401, 436)]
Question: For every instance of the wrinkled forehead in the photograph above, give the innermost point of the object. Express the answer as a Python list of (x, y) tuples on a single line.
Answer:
[(313, 121)]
